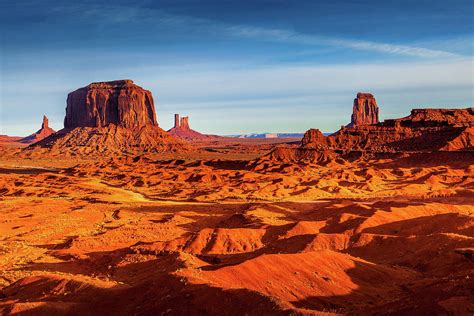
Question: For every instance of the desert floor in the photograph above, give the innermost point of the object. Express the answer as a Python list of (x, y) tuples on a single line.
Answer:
[(224, 234)]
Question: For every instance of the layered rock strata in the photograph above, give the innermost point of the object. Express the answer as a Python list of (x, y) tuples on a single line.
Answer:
[(110, 117), (119, 102), (364, 111)]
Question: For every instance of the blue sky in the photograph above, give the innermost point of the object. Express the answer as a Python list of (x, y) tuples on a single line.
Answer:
[(237, 66)]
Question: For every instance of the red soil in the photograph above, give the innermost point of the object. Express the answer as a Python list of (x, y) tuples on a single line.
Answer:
[(275, 235)]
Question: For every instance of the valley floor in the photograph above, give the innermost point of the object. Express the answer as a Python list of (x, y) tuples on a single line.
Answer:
[(139, 235)]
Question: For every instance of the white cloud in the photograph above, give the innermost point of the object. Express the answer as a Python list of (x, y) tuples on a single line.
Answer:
[(300, 38), (185, 83), (113, 14)]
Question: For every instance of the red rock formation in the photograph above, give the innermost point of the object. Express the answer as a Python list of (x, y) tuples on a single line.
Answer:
[(423, 130), (313, 138), (365, 110), (437, 117), (182, 130), (118, 102), (176, 121), (110, 117), (45, 123), (184, 124), (463, 141), (42, 133), (300, 154), (111, 139)]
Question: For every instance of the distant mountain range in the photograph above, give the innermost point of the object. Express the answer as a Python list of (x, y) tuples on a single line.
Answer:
[(272, 135)]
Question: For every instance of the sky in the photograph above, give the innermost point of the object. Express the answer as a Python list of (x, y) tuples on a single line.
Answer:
[(237, 67)]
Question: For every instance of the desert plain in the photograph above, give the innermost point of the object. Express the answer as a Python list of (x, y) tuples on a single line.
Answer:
[(226, 226)]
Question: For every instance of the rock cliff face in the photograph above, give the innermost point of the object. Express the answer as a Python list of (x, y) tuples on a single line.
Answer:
[(184, 124), (182, 130), (436, 117), (424, 130), (45, 123), (365, 110), (176, 121), (42, 133), (110, 117), (118, 102), (313, 138)]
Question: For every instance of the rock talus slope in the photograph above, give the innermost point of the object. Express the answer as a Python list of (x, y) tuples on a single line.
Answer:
[(109, 117)]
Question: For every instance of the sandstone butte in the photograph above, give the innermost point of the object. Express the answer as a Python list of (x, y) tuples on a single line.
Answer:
[(182, 130), (365, 110), (42, 133), (424, 130), (118, 102), (113, 116)]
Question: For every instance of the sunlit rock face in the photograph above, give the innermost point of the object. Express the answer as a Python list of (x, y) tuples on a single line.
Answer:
[(365, 110), (118, 102), (42, 133), (422, 130)]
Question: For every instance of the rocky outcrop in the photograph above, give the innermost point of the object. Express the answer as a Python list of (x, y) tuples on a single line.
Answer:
[(435, 117), (424, 130), (176, 120), (463, 141), (313, 138), (184, 124), (287, 154), (182, 130), (42, 133), (365, 110), (118, 102), (111, 139), (110, 117), (408, 134)]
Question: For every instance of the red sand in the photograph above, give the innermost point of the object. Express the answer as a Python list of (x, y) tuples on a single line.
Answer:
[(213, 235)]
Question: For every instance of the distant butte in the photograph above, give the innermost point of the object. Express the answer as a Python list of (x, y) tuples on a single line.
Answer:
[(423, 130), (182, 130), (41, 134), (109, 117), (119, 102), (365, 110)]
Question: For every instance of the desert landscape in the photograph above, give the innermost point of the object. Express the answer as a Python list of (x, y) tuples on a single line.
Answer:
[(114, 216), (233, 157)]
